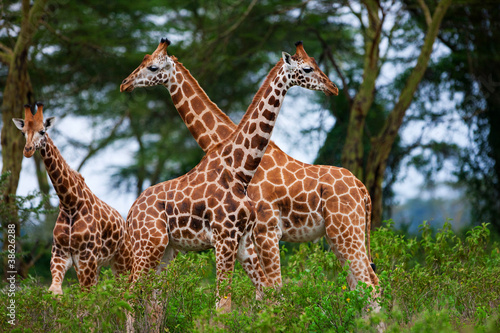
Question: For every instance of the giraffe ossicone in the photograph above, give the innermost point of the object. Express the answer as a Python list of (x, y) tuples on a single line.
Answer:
[(296, 202), (88, 233)]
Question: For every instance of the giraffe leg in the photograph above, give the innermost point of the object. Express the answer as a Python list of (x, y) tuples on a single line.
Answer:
[(225, 256), (60, 262), (87, 270), (352, 247), (149, 243), (267, 235), (146, 257), (356, 267), (247, 257), (122, 262), (348, 243)]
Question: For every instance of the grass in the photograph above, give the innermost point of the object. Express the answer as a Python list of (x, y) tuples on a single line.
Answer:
[(435, 282)]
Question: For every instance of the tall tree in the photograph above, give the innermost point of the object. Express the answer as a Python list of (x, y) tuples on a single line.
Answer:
[(56, 54), (370, 163), (472, 73), (17, 92)]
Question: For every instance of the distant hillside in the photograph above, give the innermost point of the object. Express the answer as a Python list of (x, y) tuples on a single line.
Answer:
[(411, 214)]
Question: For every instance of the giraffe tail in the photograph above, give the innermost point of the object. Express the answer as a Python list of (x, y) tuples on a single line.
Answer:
[(368, 220)]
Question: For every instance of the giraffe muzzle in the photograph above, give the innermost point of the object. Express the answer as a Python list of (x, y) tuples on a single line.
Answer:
[(29, 151), (126, 86), (332, 90)]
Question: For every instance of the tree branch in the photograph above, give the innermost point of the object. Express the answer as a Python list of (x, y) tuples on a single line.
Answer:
[(6, 49), (103, 143), (29, 25), (374, 20), (329, 55), (238, 23), (358, 15), (5, 58), (394, 28), (286, 9), (25, 8), (391, 127), (427, 13), (353, 151), (396, 117), (36, 253)]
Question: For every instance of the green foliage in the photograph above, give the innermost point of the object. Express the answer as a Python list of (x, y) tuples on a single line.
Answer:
[(441, 274), (29, 207), (181, 292), (391, 250), (83, 50), (470, 76), (436, 282), (27, 211)]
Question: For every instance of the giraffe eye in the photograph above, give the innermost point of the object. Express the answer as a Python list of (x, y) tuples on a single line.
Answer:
[(308, 69), (42, 132), (153, 68)]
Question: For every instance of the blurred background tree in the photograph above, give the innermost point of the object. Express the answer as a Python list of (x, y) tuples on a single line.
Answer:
[(471, 72), (376, 52), (17, 91)]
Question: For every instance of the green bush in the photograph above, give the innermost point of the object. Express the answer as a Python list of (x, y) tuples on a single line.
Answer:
[(25, 213), (434, 282)]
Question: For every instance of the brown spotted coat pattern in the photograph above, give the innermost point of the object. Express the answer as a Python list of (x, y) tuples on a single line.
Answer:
[(297, 202), (88, 233), (209, 206)]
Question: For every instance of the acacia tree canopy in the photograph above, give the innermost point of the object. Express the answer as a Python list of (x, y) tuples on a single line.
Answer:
[(80, 51)]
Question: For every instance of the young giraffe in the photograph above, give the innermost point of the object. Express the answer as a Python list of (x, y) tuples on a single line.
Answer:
[(88, 232), (209, 207), (296, 202)]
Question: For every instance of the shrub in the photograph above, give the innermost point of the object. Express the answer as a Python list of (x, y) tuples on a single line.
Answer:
[(436, 282)]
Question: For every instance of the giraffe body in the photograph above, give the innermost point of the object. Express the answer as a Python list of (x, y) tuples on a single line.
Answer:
[(197, 211), (298, 202), (88, 233), (295, 201), (209, 206)]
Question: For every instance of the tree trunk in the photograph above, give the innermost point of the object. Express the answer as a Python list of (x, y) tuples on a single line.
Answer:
[(352, 153), (17, 92), (382, 144)]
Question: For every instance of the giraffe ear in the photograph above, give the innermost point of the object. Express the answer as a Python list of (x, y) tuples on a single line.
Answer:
[(49, 122), (19, 123), (289, 62)]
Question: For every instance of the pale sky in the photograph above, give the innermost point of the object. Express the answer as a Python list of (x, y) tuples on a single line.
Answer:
[(287, 134)]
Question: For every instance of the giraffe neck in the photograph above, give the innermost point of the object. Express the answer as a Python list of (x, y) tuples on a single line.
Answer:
[(67, 183), (206, 122), (245, 148)]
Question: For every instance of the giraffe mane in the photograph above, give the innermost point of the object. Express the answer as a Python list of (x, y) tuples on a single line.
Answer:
[(72, 172), (77, 175), (258, 96), (202, 94)]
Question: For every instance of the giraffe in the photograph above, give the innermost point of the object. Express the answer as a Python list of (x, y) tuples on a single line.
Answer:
[(296, 202), (208, 206), (88, 232)]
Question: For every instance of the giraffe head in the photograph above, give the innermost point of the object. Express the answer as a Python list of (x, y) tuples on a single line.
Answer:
[(34, 129), (154, 69), (303, 71)]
